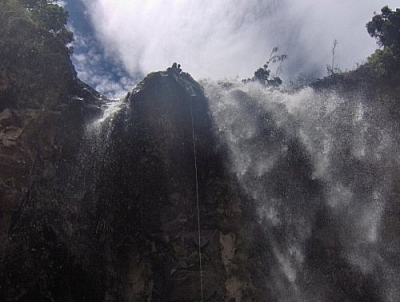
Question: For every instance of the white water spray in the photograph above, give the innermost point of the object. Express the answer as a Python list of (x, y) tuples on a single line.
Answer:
[(110, 109), (283, 146), (93, 146)]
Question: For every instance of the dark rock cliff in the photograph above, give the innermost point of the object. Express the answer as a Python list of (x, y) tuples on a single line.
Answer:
[(43, 111), (141, 206), (162, 177), (114, 218)]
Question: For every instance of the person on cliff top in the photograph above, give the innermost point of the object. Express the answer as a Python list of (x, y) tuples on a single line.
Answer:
[(177, 68)]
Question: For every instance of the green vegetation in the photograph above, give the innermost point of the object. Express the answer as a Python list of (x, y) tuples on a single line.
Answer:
[(379, 76), (385, 27), (53, 18), (262, 74), (34, 52), (44, 13)]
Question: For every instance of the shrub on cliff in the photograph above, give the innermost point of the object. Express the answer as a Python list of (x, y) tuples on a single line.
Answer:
[(263, 74), (385, 27), (50, 16)]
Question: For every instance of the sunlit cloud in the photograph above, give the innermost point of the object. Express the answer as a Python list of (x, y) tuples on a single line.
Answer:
[(89, 63), (232, 38)]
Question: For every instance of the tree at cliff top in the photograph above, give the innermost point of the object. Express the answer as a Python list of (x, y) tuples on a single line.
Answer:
[(379, 76), (385, 27), (262, 74), (50, 16)]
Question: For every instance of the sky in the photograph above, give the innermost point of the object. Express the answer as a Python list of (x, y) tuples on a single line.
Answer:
[(120, 41)]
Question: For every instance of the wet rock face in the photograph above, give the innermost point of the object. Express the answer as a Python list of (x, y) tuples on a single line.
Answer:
[(43, 110), (153, 202), (130, 230), (36, 76), (130, 214), (162, 170)]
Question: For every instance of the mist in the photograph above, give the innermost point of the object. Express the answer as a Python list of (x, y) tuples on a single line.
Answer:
[(232, 38)]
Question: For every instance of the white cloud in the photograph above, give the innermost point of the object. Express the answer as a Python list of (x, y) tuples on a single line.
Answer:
[(92, 67), (229, 38)]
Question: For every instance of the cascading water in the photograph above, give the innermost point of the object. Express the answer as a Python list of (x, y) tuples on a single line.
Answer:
[(98, 131), (91, 154), (307, 211), (322, 170)]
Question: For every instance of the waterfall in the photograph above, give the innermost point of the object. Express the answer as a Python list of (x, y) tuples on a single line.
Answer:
[(296, 193), (322, 169), (91, 156)]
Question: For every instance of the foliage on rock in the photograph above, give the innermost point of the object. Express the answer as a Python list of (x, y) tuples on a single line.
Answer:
[(385, 27), (263, 74), (46, 15), (384, 64), (49, 16), (382, 68)]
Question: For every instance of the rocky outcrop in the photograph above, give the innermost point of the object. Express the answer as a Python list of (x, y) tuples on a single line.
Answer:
[(123, 214), (165, 202), (43, 111), (140, 209)]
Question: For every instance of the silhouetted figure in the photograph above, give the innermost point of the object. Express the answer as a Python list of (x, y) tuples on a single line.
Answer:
[(177, 68)]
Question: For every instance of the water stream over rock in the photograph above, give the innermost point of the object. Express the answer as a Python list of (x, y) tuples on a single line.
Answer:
[(216, 192), (323, 171)]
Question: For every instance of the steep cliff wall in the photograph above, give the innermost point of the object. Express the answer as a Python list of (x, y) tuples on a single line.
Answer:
[(163, 192), (43, 110), (142, 205), (123, 214)]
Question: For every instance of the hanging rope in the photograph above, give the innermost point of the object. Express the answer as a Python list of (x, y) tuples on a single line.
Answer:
[(197, 202)]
